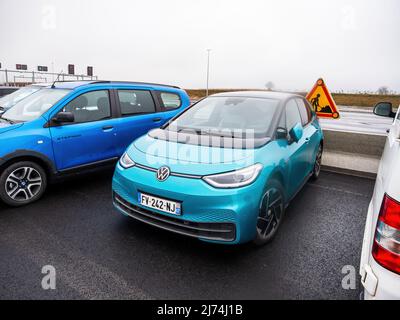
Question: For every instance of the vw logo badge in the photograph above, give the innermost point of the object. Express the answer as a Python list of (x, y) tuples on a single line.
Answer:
[(163, 173)]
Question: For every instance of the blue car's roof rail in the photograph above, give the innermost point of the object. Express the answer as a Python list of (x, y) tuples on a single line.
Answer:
[(137, 82), (127, 82)]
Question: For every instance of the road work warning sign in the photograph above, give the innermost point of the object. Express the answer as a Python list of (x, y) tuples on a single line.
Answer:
[(322, 101)]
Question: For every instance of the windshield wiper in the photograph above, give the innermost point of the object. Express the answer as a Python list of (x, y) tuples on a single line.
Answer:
[(8, 120), (188, 129)]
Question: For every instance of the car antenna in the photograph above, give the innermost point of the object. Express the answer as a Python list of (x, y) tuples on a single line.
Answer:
[(54, 83)]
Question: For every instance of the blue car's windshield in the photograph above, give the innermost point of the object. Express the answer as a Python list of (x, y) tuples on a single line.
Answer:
[(232, 116), (11, 99), (35, 105)]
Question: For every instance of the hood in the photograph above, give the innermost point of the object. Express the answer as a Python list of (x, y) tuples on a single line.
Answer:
[(189, 152), (6, 126), (189, 158)]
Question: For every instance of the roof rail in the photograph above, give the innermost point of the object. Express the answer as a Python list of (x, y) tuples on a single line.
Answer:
[(135, 82)]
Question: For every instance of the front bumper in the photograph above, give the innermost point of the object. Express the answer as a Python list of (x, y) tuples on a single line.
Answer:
[(215, 215)]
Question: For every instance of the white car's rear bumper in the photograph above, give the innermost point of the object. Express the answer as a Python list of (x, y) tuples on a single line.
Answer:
[(378, 282)]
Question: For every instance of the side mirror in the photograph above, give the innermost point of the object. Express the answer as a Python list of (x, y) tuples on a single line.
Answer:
[(63, 117), (296, 133), (384, 109), (281, 133)]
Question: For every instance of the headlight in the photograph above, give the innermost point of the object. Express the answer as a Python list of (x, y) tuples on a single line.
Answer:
[(235, 179), (126, 162)]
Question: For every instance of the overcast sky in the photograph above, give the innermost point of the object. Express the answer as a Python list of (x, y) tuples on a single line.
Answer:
[(353, 45)]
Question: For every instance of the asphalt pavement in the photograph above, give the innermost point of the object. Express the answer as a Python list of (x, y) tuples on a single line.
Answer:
[(98, 253)]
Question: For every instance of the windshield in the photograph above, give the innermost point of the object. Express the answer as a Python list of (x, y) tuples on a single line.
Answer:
[(34, 105), (10, 100), (228, 116)]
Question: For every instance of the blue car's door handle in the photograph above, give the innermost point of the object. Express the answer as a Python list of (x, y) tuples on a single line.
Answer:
[(157, 119), (108, 128)]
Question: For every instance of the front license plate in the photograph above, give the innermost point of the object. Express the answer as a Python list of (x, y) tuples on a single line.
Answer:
[(159, 204)]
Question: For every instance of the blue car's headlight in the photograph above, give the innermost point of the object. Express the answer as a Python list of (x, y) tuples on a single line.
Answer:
[(126, 162), (235, 179)]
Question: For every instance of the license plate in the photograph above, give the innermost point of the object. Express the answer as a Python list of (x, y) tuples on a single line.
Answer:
[(159, 204)]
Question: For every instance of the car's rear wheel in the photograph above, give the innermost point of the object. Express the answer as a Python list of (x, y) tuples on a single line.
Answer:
[(271, 212), (22, 183), (317, 165)]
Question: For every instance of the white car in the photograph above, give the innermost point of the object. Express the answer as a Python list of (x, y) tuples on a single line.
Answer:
[(380, 258), (8, 101)]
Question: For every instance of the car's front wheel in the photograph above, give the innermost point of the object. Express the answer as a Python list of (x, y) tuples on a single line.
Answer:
[(317, 164), (271, 212), (22, 183)]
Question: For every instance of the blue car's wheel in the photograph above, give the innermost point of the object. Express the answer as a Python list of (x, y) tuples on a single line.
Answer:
[(22, 183), (272, 209)]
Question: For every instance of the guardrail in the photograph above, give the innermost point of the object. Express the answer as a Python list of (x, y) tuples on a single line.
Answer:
[(22, 78), (353, 153)]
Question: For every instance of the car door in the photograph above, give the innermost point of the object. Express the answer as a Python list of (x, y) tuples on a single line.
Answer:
[(310, 133), (390, 156), (297, 152), (90, 137), (139, 112)]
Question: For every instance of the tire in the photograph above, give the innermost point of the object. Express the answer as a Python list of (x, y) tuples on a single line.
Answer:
[(22, 183), (271, 213), (317, 165)]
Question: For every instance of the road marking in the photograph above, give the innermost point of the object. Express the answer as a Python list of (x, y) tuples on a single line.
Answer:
[(338, 190)]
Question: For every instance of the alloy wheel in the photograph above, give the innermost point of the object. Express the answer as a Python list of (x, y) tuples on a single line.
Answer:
[(318, 162), (23, 184), (271, 213)]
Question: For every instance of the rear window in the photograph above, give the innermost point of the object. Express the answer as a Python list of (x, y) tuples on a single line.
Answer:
[(170, 100)]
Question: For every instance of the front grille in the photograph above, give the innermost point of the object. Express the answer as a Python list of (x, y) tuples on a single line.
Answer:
[(209, 231)]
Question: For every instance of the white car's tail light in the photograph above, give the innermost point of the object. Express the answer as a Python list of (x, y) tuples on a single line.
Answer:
[(386, 248)]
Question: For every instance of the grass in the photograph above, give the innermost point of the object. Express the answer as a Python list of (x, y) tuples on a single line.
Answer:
[(344, 99)]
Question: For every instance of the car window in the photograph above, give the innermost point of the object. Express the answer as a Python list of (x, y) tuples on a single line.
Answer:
[(225, 115), (90, 106), (10, 100), (136, 102), (292, 114), (305, 111), (170, 100)]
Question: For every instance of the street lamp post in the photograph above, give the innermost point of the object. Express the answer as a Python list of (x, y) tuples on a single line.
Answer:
[(208, 69)]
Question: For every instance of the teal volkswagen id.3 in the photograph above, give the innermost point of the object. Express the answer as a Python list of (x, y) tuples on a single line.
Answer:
[(225, 169)]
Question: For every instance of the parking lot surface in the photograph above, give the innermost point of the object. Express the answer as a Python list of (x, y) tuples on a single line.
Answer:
[(98, 253)]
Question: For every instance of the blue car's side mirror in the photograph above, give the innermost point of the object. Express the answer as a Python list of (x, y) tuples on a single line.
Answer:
[(296, 132)]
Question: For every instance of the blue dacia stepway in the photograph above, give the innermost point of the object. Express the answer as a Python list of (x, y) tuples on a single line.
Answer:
[(75, 126), (225, 169)]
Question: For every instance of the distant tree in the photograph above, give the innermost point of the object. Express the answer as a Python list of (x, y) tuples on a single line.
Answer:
[(383, 90), (269, 85)]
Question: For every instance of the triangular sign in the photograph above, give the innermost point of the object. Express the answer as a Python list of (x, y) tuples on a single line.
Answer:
[(322, 101)]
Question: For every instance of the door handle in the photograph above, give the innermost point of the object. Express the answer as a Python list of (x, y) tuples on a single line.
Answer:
[(108, 128), (307, 140), (157, 119)]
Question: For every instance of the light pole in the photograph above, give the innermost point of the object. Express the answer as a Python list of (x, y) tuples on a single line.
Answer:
[(208, 69)]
